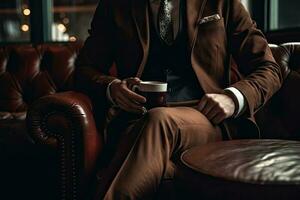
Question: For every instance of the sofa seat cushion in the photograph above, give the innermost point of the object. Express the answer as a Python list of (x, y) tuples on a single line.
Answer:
[(241, 169)]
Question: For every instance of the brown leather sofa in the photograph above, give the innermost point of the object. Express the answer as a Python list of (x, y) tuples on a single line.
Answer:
[(28, 169), (63, 138)]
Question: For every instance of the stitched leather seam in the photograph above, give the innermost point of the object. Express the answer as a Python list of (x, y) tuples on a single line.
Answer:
[(63, 176)]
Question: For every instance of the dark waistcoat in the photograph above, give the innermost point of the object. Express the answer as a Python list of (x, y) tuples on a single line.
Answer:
[(172, 64)]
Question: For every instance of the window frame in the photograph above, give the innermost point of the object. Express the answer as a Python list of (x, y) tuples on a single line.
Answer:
[(272, 18)]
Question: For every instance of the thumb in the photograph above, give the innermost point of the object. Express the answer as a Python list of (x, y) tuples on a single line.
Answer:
[(132, 81)]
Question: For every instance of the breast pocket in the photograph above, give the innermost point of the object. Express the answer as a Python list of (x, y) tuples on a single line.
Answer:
[(210, 45), (212, 31)]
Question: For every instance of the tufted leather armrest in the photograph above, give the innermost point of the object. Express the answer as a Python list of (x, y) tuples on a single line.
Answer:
[(65, 123), (280, 116), (290, 91)]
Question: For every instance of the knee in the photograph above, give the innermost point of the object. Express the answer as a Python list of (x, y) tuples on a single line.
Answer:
[(160, 123), (159, 116)]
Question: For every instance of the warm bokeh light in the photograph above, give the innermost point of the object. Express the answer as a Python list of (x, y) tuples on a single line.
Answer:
[(62, 28), (73, 39), (25, 28), (26, 11), (66, 20)]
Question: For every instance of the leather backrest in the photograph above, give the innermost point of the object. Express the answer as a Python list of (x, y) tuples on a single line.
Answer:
[(28, 72), (291, 56), (279, 117)]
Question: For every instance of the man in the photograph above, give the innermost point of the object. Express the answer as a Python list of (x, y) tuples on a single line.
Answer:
[(189, 44)]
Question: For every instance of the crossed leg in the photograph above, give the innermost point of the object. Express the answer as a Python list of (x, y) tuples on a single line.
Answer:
[(159, 136)]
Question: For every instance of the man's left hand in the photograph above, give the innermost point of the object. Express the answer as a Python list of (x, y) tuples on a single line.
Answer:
[(216, 107)]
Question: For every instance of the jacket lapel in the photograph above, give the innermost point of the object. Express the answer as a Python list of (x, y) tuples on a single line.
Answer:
[(195, 10), (140, 14)]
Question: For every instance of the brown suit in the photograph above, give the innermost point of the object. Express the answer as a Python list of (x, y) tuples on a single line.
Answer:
[(120, 34)]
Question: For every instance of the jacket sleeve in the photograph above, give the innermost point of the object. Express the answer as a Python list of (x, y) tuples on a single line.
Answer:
[(262, 75), (97, 55)]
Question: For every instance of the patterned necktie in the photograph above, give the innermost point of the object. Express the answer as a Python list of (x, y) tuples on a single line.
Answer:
[(165, 21)]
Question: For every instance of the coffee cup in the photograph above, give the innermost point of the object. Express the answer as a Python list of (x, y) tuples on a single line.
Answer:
[(154, 91)]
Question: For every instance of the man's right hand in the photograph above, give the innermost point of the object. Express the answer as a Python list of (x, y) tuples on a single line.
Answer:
[(125, 98)]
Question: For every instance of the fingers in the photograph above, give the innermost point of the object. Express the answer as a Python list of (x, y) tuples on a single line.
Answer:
[(212, 114), (127, 99), (218, 118), (216, 115), (128, 105), (131, 95), (202, 104), (132, 81), (216, 107), (206, 105), (127, 86), (129, 108)]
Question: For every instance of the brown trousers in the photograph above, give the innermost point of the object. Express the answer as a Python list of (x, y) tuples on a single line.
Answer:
[(148, 147)]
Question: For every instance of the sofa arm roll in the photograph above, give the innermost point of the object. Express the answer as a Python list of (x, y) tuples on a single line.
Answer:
[(65, 122)]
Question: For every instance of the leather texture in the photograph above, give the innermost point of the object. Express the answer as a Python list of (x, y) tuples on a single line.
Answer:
[(27, 73), (65, 123), (279, 117), (273, 162), (61, 122), (251, 165)]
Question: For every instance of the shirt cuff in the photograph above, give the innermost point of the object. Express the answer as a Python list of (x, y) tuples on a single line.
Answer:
[(108, 96), (240, 99)]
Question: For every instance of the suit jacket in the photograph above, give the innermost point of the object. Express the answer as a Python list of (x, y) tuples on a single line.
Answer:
[(120, 34)]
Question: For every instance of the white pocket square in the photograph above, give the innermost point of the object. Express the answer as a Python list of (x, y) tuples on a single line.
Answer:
[(210, 18)]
